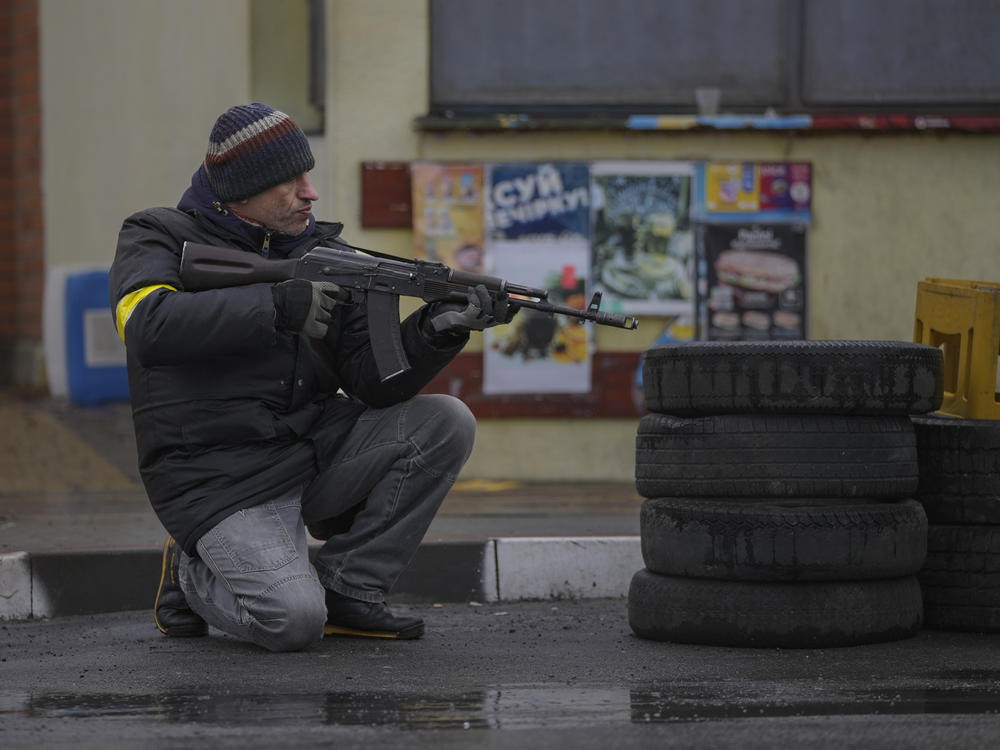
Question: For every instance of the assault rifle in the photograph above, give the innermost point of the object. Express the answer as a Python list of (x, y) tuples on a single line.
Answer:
[(378, 278)]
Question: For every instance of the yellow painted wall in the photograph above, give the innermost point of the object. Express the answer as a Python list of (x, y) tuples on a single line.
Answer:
[(889, 210), (279, 59), (131, 88)]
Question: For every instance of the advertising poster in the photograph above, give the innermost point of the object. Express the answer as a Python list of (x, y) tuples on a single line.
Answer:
[(550, 199), (643, 245), (448, 214), (537, 226), (779, 191), (539, 353), (731, 187), (755, 281)]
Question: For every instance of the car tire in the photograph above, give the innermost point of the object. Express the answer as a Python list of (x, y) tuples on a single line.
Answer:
[(820, 377), (776, 455), (961, 578), (959, 468), (774, 540), (773, 615)]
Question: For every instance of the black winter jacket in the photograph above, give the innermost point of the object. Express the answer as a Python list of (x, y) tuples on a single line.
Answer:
[(228, 411)]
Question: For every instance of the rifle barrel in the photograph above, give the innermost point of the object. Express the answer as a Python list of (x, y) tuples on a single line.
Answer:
[(627, 322)]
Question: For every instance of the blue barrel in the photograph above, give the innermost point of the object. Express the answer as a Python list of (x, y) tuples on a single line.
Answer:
[(95, 355)]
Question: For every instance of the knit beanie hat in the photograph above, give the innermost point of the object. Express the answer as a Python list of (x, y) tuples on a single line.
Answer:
[(252, 148)]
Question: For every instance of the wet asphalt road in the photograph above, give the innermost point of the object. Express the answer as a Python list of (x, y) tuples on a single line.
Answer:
[(511, 675)]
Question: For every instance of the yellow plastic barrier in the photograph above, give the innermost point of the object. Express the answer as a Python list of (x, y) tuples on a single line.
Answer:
[(962, 318)]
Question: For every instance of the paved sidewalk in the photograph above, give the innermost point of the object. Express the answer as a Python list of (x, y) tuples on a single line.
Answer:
[(77, 538), (73, 515), (510, 676)]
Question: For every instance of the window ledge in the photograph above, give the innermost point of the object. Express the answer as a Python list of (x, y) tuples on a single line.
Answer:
[(867, 122)]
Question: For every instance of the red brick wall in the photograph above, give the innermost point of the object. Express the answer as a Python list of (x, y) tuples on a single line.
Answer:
[(21, 246)]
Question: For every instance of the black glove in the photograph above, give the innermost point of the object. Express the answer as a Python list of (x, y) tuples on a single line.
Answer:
[(304, 306), (480, 312)]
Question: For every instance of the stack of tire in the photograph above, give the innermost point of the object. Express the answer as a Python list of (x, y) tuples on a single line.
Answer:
[(779, 480), (960, 492)]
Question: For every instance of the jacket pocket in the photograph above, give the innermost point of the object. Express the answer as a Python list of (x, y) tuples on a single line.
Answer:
[(219, 423), (254, 540)]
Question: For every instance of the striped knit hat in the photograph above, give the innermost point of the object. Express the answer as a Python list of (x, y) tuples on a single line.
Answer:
[(253, 148)]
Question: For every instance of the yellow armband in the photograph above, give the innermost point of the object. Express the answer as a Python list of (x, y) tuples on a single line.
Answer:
[(127, 304)]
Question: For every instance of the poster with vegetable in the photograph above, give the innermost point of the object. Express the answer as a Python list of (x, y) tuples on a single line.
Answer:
[(448, 213), (539, 353), (755, 281), (643, 245)]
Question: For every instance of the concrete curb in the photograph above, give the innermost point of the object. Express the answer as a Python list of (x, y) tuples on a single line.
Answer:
[(58, 584), (565, 567)]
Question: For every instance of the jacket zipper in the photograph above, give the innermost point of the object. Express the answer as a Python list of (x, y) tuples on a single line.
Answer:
[(336, 227), (267, 243)]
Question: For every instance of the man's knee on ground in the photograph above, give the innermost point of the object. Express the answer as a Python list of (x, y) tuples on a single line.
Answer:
[(301, 632), (292, 623)]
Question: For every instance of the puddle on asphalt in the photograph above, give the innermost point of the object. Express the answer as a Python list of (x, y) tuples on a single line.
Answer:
[(516, 707), (654, 707)]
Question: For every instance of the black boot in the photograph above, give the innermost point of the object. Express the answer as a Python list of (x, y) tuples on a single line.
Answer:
[(347, 616), (171, 612)]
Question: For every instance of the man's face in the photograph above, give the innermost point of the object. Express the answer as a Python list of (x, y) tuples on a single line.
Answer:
[(285, 207)]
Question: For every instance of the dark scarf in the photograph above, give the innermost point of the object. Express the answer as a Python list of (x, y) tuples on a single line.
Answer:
[(200, 199)]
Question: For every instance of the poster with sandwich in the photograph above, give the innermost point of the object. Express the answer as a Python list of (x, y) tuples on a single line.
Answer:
[(755, 281)]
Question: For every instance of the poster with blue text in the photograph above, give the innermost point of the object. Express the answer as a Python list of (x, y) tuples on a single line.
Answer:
[(537, 226), (543, 199)]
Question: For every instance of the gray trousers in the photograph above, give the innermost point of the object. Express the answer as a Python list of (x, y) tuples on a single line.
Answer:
[(252, 576)]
